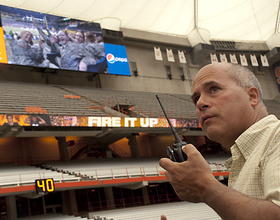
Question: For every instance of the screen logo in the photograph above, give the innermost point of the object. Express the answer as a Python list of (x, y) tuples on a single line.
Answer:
[(112, 59), (117, 59)]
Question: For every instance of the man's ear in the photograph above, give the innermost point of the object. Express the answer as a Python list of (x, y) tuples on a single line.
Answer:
[(254, 96)]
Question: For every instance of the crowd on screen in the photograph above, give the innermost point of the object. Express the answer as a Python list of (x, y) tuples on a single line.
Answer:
[(65, 49), (41, 120)]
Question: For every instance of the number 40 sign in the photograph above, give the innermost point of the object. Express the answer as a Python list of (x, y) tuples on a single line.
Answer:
[(44, 186)]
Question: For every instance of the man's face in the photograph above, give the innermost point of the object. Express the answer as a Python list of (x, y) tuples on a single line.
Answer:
[(223, 108), (10, 119)]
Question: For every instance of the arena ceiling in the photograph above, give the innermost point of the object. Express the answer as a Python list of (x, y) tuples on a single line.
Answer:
[(238, 20)]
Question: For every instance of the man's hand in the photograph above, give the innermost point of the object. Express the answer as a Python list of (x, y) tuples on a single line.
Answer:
[(193, 181), (190, 178)]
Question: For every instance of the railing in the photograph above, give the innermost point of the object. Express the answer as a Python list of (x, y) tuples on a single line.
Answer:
[(21, 177), (117, 173), (29, 178), (72, 150), (119, 150)]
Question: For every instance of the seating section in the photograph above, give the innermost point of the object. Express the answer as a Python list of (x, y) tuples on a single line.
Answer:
[(119, 168), (177, 210), (11, 176), (84, 170), (145, 103), (108, 169), (51, 98), (18, 96)]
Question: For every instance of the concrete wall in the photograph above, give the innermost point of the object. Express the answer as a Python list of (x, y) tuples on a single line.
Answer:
[(151, 73)]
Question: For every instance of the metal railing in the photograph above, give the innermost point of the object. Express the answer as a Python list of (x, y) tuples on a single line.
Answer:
[(24, 176), (114, 147)]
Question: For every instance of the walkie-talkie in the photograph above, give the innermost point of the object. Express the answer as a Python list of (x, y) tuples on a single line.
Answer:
[(176, 154)]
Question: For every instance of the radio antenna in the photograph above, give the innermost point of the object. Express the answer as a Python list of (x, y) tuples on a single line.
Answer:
[(177, 138)]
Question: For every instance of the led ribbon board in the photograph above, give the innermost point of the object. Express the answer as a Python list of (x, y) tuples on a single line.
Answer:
[(98, 122)]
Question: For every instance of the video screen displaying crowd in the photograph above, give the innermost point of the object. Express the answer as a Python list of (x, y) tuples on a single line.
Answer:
[(48, 41), (42, 120)]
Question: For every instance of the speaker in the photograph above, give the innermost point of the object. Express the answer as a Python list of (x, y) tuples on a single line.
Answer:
[(273, 56), (200, 51)]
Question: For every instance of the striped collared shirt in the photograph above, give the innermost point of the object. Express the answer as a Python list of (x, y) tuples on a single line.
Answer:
[(255, 163)]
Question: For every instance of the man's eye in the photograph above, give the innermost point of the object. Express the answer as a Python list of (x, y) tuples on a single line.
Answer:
[(214, 89), (195, 100)]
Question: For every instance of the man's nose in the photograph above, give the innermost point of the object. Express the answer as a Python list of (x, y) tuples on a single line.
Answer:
[(202, 103)]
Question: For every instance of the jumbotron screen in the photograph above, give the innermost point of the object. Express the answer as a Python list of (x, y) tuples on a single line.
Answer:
[(42, 40)]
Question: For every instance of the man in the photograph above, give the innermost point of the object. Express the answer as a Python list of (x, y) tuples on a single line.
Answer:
[(10, 120), (229, 107), (35, 120)]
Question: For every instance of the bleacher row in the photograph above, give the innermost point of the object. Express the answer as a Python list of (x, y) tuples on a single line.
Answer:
[(11, 176), (52, 217), (107, 169), (145, 103), (50, 97), (83, 170), (177, 210)]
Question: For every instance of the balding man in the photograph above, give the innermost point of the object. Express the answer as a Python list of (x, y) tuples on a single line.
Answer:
[(229, 107)]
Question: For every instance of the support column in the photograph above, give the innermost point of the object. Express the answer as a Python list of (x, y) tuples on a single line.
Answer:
[(110, 197), (132, 141), (145, 195), (11, 208), (69, 203), (63, 151)]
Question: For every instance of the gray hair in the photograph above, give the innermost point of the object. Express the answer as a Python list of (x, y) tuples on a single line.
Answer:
[(245, 78)]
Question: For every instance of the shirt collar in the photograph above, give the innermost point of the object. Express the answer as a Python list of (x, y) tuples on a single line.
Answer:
[(228, 163)]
